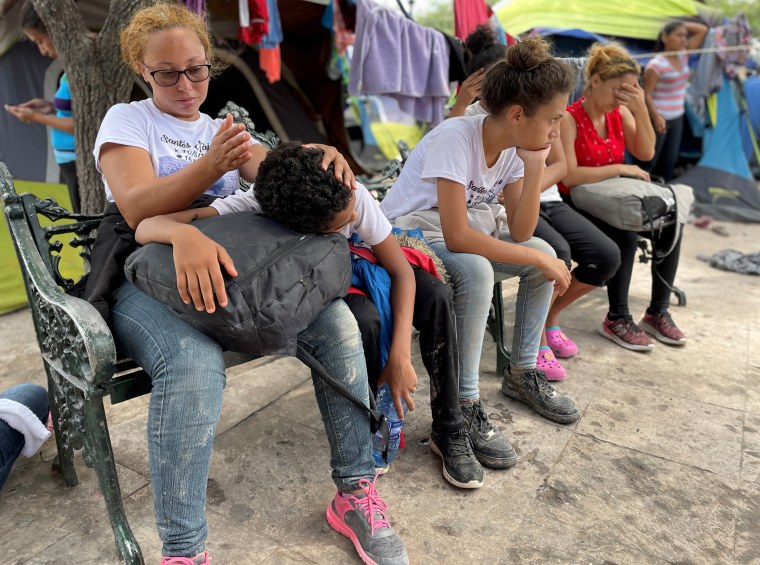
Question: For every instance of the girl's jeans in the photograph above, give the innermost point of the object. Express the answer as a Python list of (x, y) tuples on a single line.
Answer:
[(188, 376), (33, 397), (472, 279)]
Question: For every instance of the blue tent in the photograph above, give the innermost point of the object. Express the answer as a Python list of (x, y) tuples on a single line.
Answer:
[(723, 184)]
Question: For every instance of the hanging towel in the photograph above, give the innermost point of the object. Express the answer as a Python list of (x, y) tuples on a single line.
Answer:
[(400, 58)]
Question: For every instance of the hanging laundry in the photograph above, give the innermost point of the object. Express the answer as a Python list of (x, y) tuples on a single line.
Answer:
[(254, 21), (273, 38), (469, 14), (400, 58), (197, 6), (270, 63), (342, 36)]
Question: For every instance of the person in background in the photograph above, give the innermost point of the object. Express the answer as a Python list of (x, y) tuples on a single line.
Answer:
[(23, 415), (595, 132), (56, 114), (666, 77)]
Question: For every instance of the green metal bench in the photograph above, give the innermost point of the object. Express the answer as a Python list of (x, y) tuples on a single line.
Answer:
[(77, 348)]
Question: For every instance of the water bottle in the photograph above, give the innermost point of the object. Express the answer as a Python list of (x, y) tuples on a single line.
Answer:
[(386, 406)]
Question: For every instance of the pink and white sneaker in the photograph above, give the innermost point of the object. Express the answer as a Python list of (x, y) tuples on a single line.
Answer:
[(200, 559), (361, 518), (561, 345), (547, 362)]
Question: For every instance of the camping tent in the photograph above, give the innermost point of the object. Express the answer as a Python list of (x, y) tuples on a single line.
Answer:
[(634, 18)]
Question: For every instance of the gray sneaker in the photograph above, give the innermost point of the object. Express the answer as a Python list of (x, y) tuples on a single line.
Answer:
[(362, 519), (460, 467), (488, 444), (531, 388)]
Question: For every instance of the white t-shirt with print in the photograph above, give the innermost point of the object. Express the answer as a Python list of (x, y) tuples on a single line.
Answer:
[(551, 194), (171, 143), (454, 151), (370, 225)]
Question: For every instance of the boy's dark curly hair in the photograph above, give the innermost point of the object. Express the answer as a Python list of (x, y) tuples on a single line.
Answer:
[(293, 189)]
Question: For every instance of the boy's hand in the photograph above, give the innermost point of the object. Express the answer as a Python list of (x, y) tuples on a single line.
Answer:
[(39, 105), (402, 381), (197, 260), (25, 115), (343, 171)]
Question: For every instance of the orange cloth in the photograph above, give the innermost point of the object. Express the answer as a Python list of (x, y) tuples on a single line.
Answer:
[(270, 62)]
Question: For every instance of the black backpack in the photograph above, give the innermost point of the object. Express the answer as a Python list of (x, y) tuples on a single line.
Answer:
[(284, 280)]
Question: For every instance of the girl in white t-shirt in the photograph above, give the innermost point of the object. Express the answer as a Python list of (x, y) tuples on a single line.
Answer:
[(446, 188)]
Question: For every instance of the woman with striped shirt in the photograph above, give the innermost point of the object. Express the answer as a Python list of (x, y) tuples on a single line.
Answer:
[(665, 80)]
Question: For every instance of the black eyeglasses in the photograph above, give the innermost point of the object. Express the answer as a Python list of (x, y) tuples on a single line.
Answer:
[(170, 77)]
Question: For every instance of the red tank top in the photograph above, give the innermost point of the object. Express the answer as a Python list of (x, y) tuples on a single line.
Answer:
[(590, 149)]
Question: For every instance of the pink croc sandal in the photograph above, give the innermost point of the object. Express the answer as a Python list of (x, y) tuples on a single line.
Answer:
[(547, 362), (562, 345)]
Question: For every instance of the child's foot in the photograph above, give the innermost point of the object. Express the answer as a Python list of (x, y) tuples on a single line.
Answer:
[(531, 388), (626, 334), (561, 345), (361, 518), (662, 327), (488, 444), (547, 362), (460, 466)]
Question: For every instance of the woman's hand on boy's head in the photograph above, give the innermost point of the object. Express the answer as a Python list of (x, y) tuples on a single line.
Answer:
[(230, 148), (343, 171), (198, 261)]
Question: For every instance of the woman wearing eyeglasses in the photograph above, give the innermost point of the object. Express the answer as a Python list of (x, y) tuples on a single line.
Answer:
[(157, 157)]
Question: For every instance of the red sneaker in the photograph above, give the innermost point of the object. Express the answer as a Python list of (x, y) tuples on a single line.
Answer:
[(626, 334), (662, 327)]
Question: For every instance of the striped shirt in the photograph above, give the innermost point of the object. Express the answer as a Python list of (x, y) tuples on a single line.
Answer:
[(670, 91), (62, 141)]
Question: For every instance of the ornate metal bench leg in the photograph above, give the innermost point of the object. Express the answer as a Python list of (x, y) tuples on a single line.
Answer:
[(60, 392), (98, 454), (496, 329)]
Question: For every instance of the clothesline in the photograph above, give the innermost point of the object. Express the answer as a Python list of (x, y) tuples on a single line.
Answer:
[(693, 51)]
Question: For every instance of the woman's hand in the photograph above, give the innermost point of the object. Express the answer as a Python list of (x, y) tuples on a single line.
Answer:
[(401, 378), (468, 91), (230, 148), (555, 270), (342, 170), (534, 159), (197, 260), (632, 97), (634, 171)]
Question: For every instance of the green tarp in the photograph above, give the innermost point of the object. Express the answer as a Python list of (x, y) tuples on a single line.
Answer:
[(641, 19), (12, 293)]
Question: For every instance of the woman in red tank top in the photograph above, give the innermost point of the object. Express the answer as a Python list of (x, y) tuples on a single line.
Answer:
[(595, 132)]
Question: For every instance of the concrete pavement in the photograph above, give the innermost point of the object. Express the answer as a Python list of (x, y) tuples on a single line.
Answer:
[(662, 467)]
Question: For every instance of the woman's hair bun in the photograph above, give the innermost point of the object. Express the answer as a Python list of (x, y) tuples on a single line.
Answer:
[(529, 53)]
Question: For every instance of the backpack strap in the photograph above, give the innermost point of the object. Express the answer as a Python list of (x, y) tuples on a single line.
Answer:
[(376, 418)]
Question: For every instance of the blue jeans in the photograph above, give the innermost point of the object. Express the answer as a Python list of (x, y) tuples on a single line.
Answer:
[(187, 370), (33, 397), (472, 279)]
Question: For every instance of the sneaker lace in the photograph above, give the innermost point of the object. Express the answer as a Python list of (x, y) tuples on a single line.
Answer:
[(178, 561), (481, 420), (371, 505), (543, 386), (459, 444)]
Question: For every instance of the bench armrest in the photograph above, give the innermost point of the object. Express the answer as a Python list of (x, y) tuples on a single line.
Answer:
[(73, 337)]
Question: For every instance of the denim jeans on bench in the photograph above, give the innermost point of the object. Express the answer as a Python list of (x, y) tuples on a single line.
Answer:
[(187, 370), (472, 279)]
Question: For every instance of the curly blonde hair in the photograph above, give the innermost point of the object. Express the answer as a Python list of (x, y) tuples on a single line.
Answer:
[(609, 61), (161, 17)]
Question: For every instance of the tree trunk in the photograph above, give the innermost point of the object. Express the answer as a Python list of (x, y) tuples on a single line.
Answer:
[(97, 77)]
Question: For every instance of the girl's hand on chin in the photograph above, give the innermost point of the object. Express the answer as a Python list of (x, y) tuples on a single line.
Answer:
[(535, 157)]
